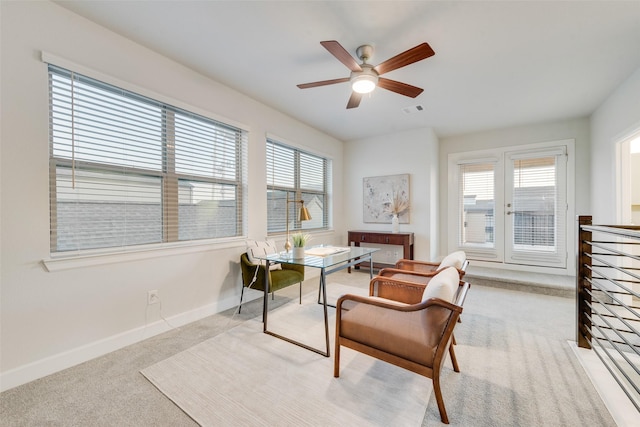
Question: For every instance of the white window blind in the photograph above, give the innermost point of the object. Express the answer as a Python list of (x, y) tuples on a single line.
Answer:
[(536, 204), (301, 176), (477, 210), (129, 170)]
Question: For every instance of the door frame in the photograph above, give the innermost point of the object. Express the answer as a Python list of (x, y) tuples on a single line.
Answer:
[(623, 174), (498, 260), (511, 254)]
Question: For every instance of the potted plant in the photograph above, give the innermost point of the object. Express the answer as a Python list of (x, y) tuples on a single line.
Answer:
[(300, 240)]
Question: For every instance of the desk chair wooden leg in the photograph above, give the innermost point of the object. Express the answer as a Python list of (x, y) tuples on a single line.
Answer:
[(241, 294)]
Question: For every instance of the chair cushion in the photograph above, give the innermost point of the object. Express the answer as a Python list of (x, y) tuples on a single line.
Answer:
[(454, 259), (413, 335), (443, 285), (261, 248)]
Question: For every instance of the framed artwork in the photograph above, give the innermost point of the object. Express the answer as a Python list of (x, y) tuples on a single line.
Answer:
[(378, 192)]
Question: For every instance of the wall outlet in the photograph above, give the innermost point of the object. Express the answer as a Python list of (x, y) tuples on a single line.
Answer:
[(153, 297)]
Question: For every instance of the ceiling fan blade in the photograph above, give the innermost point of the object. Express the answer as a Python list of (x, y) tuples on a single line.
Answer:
[(418, 53), (341, 54), (323, 83), (399, 87), (354, 100)]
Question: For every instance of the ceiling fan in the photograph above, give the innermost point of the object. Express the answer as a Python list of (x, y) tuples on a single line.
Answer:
[(365, 77)]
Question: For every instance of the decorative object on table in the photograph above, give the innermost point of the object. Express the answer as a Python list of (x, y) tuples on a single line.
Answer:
[(300, 240), (395, 206), (303, 215), (378, 191)]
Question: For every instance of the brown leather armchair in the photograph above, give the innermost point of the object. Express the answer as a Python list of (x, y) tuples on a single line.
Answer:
[(457, 259), (404, 323), (423, 271)]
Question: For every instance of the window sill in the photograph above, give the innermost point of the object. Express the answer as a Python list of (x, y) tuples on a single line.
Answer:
[(87, 259)]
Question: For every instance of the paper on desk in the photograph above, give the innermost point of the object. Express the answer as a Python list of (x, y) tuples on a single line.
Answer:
[(325, 250)]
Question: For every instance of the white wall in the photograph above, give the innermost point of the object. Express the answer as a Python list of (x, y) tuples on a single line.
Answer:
[(577, 129), (414, 152), (52, 320), (615, 120)]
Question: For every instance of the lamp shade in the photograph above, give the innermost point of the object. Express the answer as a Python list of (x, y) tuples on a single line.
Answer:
[(304, 213)]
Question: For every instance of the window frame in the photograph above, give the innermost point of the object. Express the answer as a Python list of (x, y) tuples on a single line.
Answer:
[(167, 173), (499, 154), (297, 192)]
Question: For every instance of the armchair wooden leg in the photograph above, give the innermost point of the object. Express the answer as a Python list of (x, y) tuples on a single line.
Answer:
[(336, 360), (300, 296), (241, 294), (454, 361), (438, 393)]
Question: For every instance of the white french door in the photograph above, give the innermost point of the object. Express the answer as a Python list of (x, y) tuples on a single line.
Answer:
[(536, 208), (511, 205)]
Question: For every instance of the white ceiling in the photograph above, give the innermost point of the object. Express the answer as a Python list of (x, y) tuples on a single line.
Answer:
[(497, 64)]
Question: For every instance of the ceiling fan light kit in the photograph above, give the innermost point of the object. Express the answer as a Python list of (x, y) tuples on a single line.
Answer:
[(364, 81), (365, 78)]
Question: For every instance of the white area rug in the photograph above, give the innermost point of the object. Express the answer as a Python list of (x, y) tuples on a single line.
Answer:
[(244, 377)]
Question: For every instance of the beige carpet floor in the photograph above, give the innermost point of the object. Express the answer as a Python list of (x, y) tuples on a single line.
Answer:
[(244, 377)]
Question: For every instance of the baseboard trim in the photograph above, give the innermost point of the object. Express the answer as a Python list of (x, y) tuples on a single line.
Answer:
[(56, 363), (614, 398)]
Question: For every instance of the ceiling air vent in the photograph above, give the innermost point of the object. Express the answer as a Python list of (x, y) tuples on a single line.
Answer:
[(412, 110)]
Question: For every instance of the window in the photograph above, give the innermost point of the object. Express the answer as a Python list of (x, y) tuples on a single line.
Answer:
[(300, 176), (128, 170)]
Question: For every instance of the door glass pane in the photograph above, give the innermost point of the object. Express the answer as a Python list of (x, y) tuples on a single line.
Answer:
[(534, 204), (478, 203)]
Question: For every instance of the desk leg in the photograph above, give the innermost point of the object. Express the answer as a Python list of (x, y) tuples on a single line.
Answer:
[(265, 301), (370, 267), (323, 284), (356, 244), (265, 310)]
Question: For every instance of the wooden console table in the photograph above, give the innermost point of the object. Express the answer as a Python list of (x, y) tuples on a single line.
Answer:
[(380, 237)]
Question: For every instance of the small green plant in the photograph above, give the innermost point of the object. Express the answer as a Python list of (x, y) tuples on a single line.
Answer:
[(300, 240)]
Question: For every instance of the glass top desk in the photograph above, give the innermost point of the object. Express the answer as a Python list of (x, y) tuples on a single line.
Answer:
[(327, 264)]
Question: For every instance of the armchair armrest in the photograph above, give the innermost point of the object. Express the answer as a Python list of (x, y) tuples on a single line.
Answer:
[(407, 275), (420, 266)]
